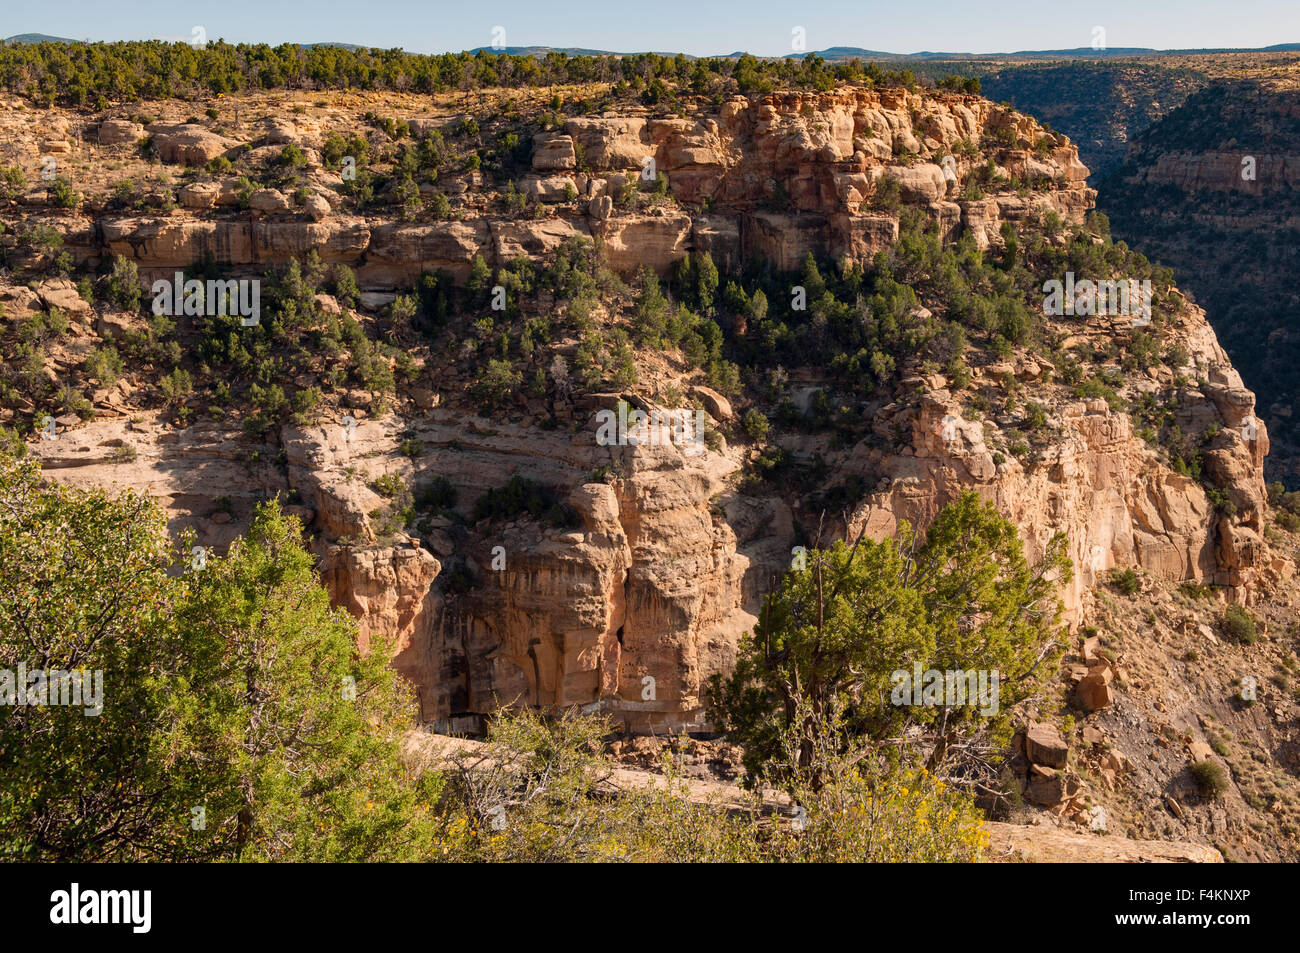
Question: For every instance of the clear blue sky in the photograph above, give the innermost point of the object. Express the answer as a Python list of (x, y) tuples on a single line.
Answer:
[(691, 26)]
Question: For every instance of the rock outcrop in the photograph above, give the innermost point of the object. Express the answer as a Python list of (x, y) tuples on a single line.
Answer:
[(645, 593), (783, 175)]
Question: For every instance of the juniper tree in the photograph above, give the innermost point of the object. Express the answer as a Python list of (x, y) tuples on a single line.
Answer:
[(239, 721), (834, 634)]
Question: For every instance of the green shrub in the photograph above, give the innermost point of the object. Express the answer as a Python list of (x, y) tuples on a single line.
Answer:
[(345, 287), (497, 383), (1211, 779), (291, 157), (439, 494), (104, 365), (1238, 625), (122, 285), (389, 485), (1197, 590), (519, 497), (176, 386), (1126, 581), (756, 426), (63, 195)]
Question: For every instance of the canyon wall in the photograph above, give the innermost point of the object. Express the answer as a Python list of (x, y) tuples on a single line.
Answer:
[(634, 607)]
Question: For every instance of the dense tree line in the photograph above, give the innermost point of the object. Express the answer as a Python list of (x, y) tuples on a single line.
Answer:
[(99, 74)]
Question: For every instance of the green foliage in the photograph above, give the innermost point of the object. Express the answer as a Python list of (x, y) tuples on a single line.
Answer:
[(837, 631), (389, 485), (224, 688), (345, 287), (439, 494), (104, 365), (756, 426), (291, 157), (1238, 625), (176, 386), (1126, 581), (499, 382), (1211, 780), (961, 84), (122, 284), (522, 497), (63, 195), (12, 181)]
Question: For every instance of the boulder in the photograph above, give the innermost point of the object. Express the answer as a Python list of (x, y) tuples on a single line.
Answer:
[(1094, 691), (63, 294), (199, 195), (111, 132), (269, 201), (278, 131), (1046, 786), (328, 304), (316, 208), (1044, 745), (189, 144), (719, 407), (556, 188), (922, 184), (552, 153)]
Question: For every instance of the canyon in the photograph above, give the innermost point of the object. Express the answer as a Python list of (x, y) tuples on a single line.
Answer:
[(645, 592)]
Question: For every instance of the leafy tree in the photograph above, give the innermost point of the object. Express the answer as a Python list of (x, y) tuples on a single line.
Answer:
[(706, 282), (345, 287), (84, 587), (228, 730), (304, 727), (122, 286), (839, 629)]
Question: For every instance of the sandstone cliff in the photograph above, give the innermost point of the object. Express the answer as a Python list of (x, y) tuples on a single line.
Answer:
[(634, 606)]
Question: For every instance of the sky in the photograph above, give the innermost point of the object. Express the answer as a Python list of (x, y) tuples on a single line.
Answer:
[(696, 27)]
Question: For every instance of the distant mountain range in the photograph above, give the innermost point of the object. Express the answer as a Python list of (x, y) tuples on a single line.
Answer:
[(46, 38), (38, 38), (832, 53), (835, 53)]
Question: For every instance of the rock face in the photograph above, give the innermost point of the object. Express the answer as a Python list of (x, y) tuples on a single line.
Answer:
[(390, 591), (633, 606), (1046, 846), (1098, 485), (650, 584), (783, 174)]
